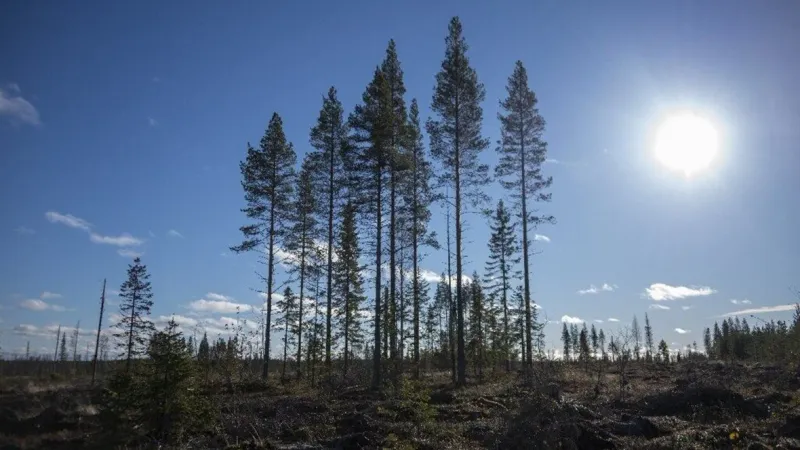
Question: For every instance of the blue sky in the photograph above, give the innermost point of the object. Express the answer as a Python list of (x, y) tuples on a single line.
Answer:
[(127, 122)]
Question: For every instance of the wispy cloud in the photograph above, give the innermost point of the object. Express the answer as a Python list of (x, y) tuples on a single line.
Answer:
[(763, 309), (552, 161), (24, 230), (541, 237), (68, 220), (219, 303), (152, 122), (34, 304), (46, 295), (740, 302), (129, 253), (682, 331), (123, 240), (657, 306), (605, 287), (569, 319), (174, 233), (687, 307), (598, 320), (16, 108), (660, 292), (611, 319)]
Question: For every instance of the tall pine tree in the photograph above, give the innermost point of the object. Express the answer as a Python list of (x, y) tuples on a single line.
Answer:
[(268, 183), (330, 137), (418, 196), (134, 328), (456, 141), (371, 128), (522, 154), (300, 240)]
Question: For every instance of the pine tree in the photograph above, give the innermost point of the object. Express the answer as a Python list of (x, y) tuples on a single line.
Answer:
[(300, 240), (287, 305), (456, 142), (583, 339), (330, 136), (397, 137), (476, 325), (418, 197), (567, 340), (268, 183), (575, 335), (522, 154), (503, 256), (648, 337), (349, 284), (371, 126), (595, 341), (134, 328)]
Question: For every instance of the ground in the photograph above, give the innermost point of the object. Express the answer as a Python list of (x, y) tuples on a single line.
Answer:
[(696, 404)]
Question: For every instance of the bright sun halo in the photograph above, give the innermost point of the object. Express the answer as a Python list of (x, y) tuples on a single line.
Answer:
[(686, 143)]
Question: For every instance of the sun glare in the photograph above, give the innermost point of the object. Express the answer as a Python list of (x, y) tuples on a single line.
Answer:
[(686, 143)]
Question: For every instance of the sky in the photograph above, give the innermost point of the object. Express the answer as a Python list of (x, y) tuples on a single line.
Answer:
[(122, 126)]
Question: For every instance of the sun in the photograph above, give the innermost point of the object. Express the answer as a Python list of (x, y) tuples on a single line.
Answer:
[(686, 143)]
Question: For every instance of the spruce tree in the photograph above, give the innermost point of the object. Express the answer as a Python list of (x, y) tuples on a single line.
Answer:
[(268, 183), (664, 351), (371, 124), (456, 141), (567, 340), (595, 341), (62, 355), (330, 137), (300, 240), (574, 334), (601, 338), (134, 328), (583, 349), (503, 256), (707, 342), (648, 337), (476, 324), (522, 154), (418, 196), (203, 350), (349, 284)]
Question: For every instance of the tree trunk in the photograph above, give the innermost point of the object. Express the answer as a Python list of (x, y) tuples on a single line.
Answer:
[(270, 262), (99, 327), (302, 298), (330, 260), (376, 359)]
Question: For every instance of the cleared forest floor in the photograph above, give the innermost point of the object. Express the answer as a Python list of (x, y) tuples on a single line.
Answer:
[(686, 405)]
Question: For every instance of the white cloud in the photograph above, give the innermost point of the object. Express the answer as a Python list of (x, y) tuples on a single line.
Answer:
[(24, 230), (687, 307), (25, 329), (34, 304), (68, 220), (129, 253), (605, 287), (13, 105), (569, 319), (152, 122), (660, 292), (740, 302), (763, 309), (123, 240), (541, 237), (429, 276), (611, 319), (48, 295), (217, 306), (552, 161), (682, 331), (598, 320), (657, 306), (174, 233), (219, 297)]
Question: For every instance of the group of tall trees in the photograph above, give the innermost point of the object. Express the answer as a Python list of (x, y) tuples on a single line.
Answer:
[(736, 340), (365, 192)]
